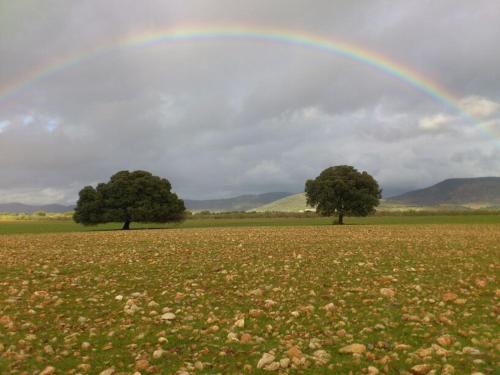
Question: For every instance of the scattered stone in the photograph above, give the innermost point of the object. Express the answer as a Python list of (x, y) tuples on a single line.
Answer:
[(294, 352), (284, 362), (481, 283), (265, 360), (329, 307), (424, 352), (444, 340), (322, 357), (232, 337), (245, 338), (441, 352), (353, 348), (314, 343), (387, 292), (108, 371), (85, 345), (255, 313), (84, 367), (448, 370), (269, 303), (142, 364), (49, 370), (449, 297), (256, 292), (168, 316), (158, 353), (247, 368), (274, 366), (240, 323), (470, 350), (153, 304), (373, 370), (199, 365), (341, 333), (421, 369)]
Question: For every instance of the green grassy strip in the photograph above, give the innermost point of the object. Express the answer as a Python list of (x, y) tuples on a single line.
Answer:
[(40, 226)]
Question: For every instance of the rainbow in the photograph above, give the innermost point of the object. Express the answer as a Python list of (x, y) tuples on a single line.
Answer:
[(301, 39)]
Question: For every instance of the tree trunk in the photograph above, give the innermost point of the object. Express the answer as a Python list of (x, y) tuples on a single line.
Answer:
[(341, 219), (126, 225)]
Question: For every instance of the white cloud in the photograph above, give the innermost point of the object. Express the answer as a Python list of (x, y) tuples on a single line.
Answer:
[(435, 122), (4, 125), (479, 106)]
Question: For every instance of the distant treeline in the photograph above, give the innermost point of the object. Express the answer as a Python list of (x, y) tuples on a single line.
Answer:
[(308, 214), (38, 215), (246, 215), (439, 212)]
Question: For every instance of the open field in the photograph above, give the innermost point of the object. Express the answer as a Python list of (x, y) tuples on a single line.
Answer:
[(58, 226), (214, 300)]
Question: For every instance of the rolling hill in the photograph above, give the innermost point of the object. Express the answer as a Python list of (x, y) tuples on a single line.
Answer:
[(291, 203), (456, 193), (239, 203), (467, 192), (30, 208), (482, 192)]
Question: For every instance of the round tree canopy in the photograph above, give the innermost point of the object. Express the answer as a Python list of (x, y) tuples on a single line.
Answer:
[(127, 197), (343, 190)]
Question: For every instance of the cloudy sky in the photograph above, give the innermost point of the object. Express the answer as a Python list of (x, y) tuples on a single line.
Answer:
[(226, 116)]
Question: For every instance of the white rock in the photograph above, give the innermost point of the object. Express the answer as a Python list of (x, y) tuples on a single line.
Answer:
[(240, 323), (272, 366), (314, 343), (232, 337), (158, 353), (284, 362), (265, 360), (471, 351), (322, 357), (49, 370), (329, 307), (353, 348), (168, 316), (387, 292)]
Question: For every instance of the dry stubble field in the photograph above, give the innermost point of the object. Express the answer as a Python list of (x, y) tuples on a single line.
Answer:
[(336, 300)]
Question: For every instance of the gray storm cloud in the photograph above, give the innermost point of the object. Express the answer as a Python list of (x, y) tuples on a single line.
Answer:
[(220, 117)]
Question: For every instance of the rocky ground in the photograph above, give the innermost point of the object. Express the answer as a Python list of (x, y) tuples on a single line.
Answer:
[(422, 299)]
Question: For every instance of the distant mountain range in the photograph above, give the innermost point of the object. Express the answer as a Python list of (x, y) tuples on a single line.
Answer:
[(458, 193), (240, 203), (479, 192), (30, 208), (471, 192)]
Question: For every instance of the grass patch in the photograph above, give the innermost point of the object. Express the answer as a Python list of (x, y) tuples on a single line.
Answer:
[(60, 226)]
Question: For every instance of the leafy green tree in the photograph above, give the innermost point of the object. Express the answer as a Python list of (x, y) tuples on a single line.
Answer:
[(342, 190), (129, 197)]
